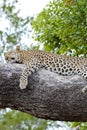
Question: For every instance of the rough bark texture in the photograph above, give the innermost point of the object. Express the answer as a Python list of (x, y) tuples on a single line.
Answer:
[(48, 95)]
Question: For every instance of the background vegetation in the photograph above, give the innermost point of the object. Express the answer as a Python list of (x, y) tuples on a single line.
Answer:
[(61, 28)]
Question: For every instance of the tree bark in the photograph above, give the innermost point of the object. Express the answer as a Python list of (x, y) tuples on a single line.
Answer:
[(48, 95)]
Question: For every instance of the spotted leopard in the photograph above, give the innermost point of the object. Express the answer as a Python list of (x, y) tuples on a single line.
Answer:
[(36, 59)]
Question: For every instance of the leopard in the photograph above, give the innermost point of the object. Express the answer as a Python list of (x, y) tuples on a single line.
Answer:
[(37, 59)]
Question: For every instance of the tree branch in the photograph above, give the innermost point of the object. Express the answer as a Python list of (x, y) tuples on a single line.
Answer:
[(48, 95)]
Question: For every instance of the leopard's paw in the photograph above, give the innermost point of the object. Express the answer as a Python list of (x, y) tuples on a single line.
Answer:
[(23, 83), (84, 89)]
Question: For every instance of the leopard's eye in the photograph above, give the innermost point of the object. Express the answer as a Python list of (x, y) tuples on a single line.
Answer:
[(12, 58)]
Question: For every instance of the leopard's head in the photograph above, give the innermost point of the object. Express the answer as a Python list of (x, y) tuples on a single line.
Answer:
[(14, 56)]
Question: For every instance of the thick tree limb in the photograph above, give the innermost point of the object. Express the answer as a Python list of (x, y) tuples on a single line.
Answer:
[(48, 95)]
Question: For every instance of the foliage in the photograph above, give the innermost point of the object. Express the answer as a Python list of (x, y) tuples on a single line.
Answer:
[(15, 26), (62, 27), (15, 120), (82, 125)]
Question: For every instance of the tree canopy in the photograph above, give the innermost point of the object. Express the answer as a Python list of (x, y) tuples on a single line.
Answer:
[(62, 27)]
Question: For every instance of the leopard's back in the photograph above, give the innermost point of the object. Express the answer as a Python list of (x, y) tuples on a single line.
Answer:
[(61, 64)]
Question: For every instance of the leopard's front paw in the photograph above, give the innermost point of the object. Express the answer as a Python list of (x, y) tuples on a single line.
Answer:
[(84, 89), (23, 83)]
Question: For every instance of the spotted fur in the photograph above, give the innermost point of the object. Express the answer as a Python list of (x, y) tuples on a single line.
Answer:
[(36, 59)]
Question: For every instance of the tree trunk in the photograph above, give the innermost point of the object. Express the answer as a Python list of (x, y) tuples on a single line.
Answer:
[(48, 95)]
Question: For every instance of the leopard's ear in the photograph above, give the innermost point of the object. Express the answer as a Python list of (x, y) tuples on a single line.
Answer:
[(17, 48)]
